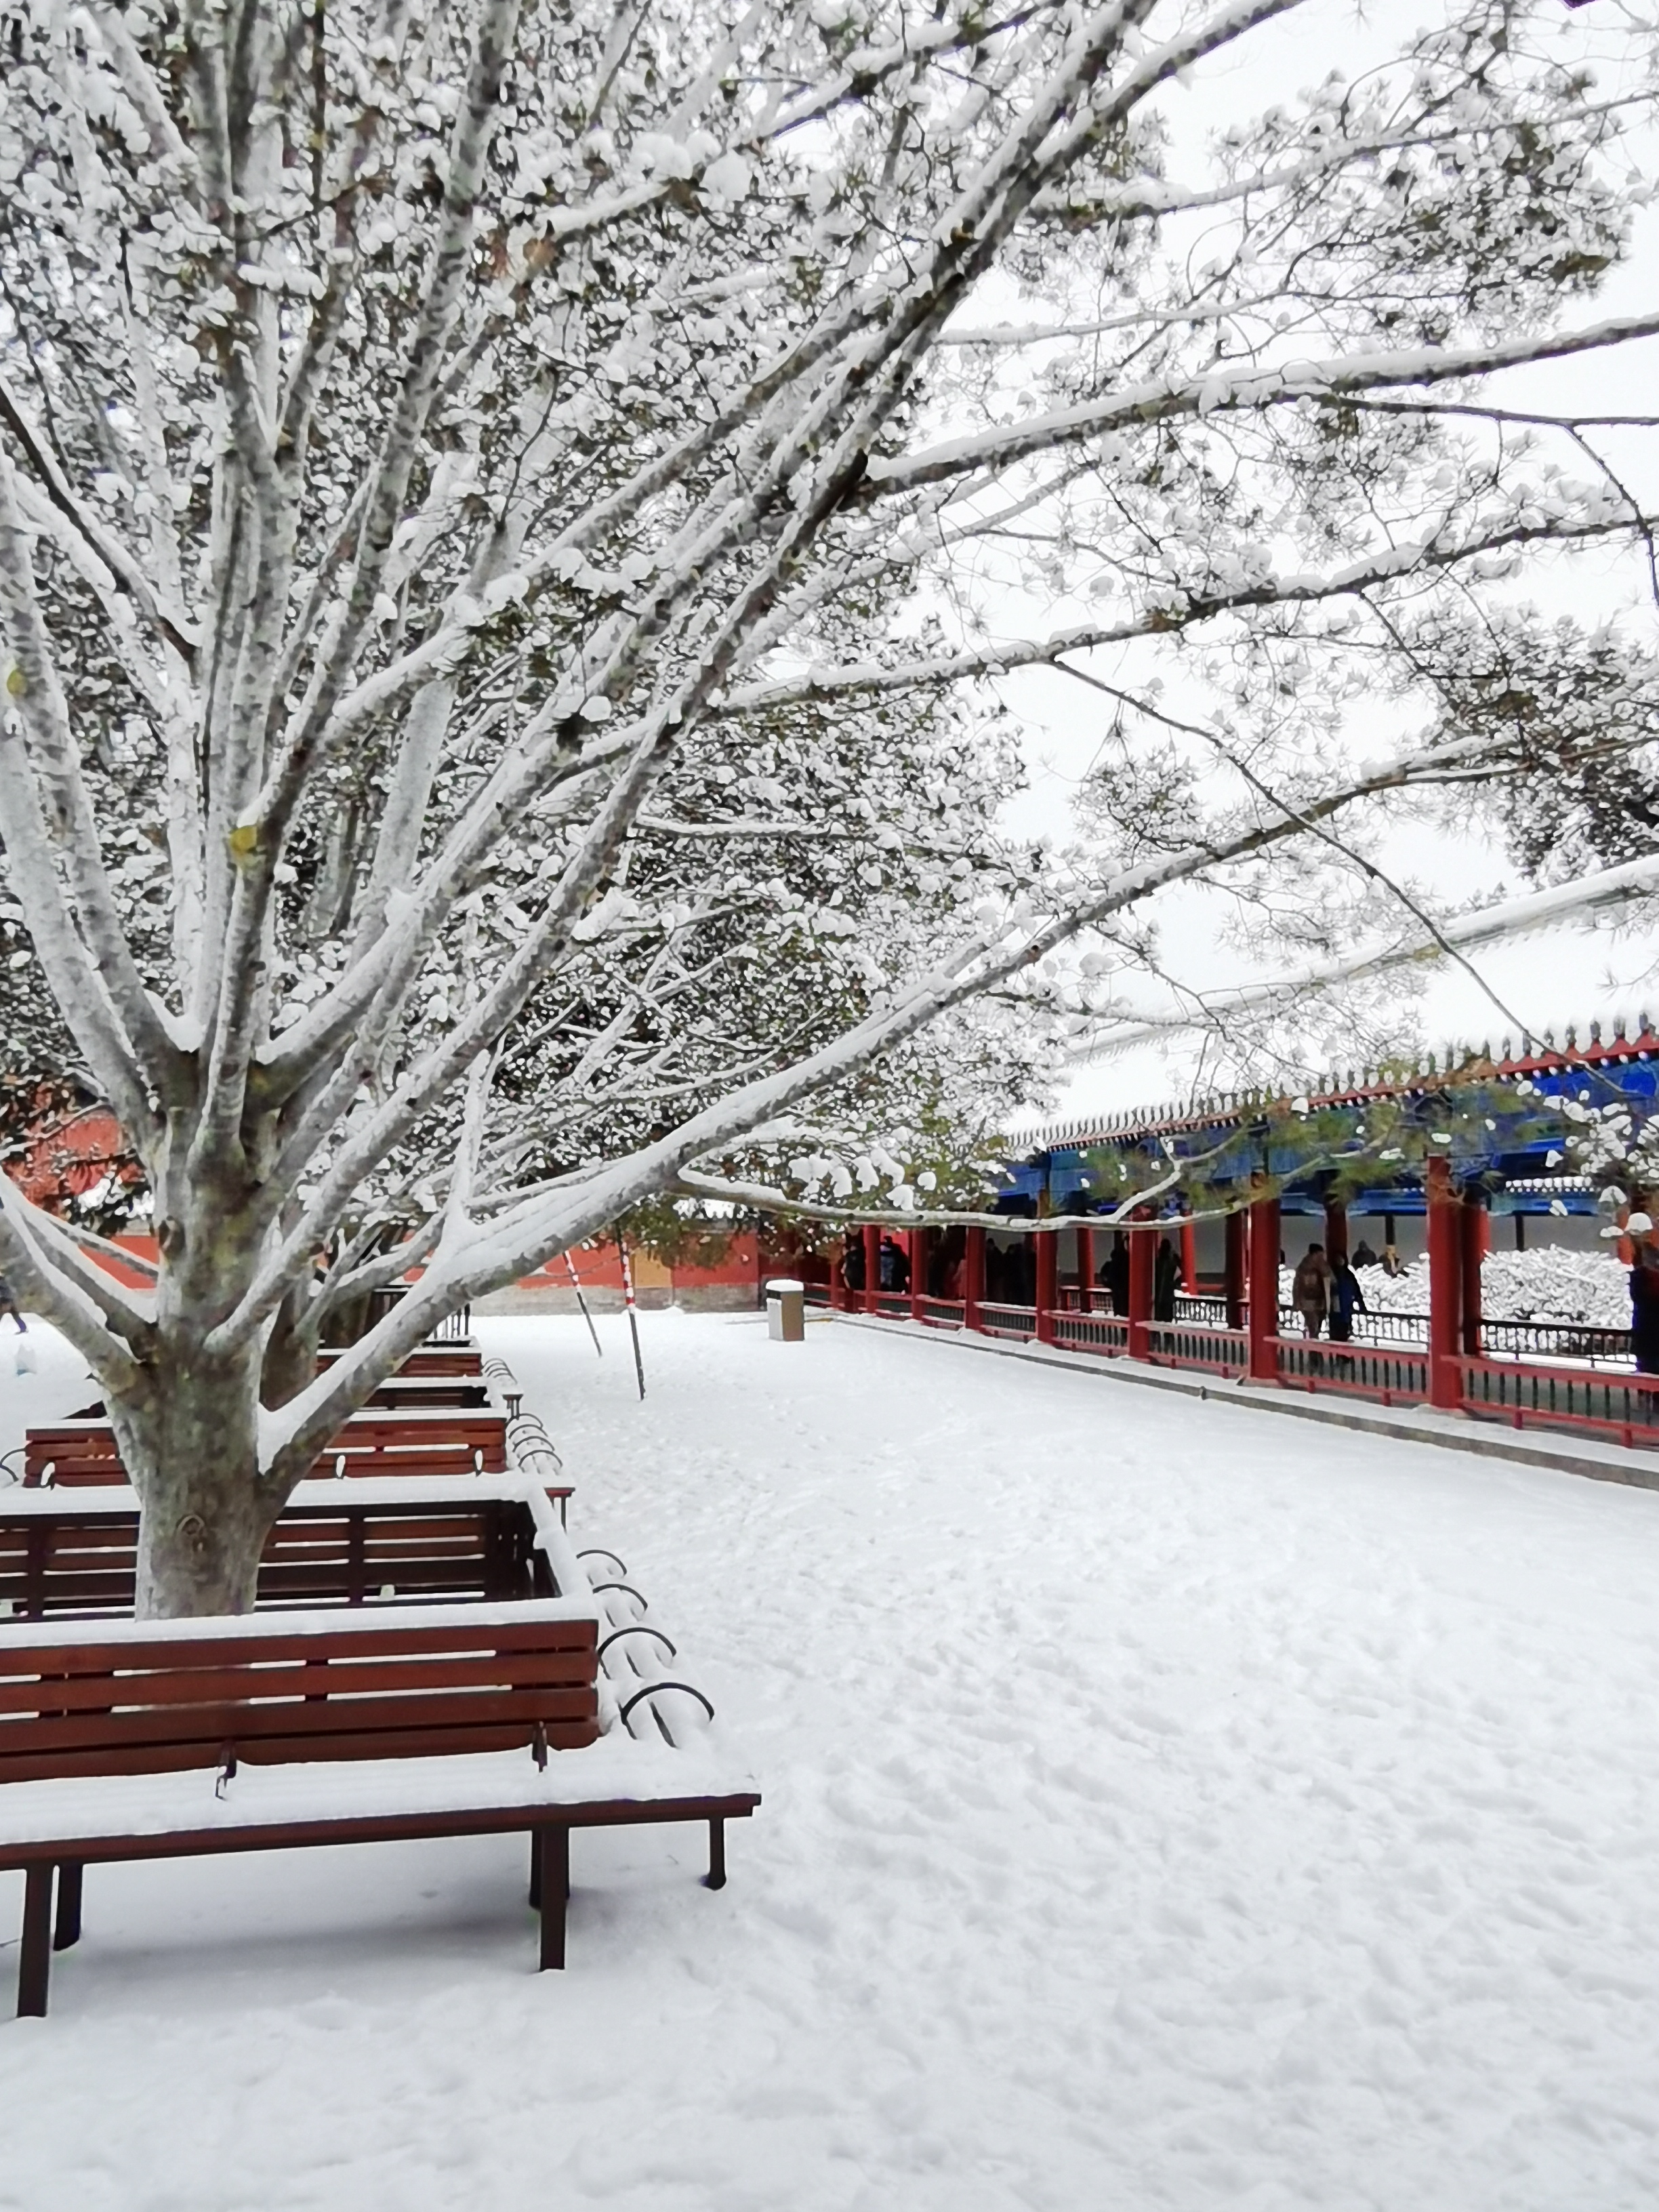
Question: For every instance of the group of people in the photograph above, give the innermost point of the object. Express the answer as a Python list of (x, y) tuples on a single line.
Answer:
[(1389, 1259), (1015, 1274), (1168, 1276), (893, 1265), (1325, 1290)]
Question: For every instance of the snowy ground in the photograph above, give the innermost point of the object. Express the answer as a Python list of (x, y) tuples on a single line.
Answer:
[(1168, 1806)]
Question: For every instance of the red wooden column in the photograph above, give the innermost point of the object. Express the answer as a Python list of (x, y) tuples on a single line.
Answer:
[(1235, 1225), (1475, 1225), (1189, 1252), (1336, 1231), (973, 1278), (1263, 1366), (1047, 1283), (871, 1267), (1446, 1283), (1143, 1248), (1086, 1268), (920, 1245)]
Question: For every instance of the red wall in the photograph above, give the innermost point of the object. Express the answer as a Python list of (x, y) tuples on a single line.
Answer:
[(72, 1156), (743, 1266)]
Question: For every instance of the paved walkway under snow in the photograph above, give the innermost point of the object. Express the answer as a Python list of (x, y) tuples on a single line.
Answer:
[(1165, 1807)]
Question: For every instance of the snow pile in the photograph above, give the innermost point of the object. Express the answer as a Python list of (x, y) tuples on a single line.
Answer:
[(1167, 1806), (1551, 1284)]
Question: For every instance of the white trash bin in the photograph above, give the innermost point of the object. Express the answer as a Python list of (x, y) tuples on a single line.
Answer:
[(786, 1310)]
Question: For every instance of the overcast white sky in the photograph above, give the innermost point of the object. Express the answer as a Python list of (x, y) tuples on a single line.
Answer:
[(1548, 978)]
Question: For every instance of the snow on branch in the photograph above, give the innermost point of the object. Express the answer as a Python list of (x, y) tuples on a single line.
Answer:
[(504, 514), (1230, 390)]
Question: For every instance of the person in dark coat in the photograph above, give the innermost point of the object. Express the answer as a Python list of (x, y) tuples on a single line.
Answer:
[(1362, 1254), (1167, 1277), (1310, 1289), (894, 1266), (1645, 1310), (1114, 1273), (851, 1264), (1345, 1296)]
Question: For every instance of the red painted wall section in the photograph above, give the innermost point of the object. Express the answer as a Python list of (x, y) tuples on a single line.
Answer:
[(72, 1156), (743, 1265), (144, 1248), (141, 1247)]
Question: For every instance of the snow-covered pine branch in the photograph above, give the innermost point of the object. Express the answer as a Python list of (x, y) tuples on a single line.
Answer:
[(501, 553)]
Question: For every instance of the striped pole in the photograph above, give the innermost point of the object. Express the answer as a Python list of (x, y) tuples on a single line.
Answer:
[(576, 1285), (633, 1318)]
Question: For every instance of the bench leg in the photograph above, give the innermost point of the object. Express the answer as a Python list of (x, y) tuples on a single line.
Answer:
[(535, 1869), (66, 1925), (34, 1955), (554, 1884), (715, 1878)]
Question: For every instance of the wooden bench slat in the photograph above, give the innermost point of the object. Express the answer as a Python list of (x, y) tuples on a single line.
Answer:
[(407, 1743), (338, 1679), (279, 1582), (87, 1656), (211, 1725), (423, 1527), (558, 1732)]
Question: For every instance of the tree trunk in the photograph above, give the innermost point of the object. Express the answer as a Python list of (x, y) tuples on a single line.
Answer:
[(191, 1451), (290, 1360)]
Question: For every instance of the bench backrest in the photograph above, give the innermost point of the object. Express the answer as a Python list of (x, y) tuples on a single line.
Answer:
[(81, 1564), (418, 1392), (75, 1453), (448, 1440), (426, 1359), (163, 1698)]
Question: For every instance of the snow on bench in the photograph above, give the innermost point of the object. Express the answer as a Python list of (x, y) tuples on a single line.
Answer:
[(130, 1739)]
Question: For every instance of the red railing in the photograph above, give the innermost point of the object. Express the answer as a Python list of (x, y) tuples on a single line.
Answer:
[(1218, 1350), (1095, 1331), (1312, 1363), (996, 1320), (943, 1313), (1624, 1405), (1621, 1406)]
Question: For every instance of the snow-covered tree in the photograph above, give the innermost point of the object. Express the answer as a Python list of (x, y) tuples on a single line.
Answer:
[(497, 507)]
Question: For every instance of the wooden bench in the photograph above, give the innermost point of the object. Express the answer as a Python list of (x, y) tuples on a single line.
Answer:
[(425, 1359), (440, 1441), (70, 1556), (447, 1722), (421, 1393)]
